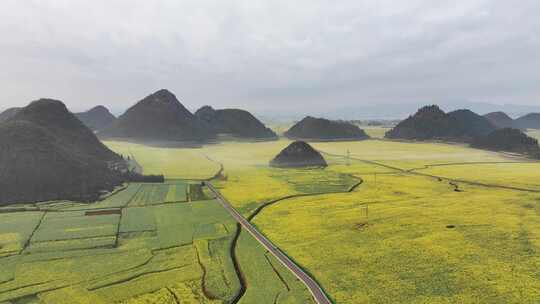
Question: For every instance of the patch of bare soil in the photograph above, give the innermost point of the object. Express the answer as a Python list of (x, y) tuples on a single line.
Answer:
[(361, 226)]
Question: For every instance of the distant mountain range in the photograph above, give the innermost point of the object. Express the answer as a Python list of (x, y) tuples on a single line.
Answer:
[(430, 122), (529, 121), (490, 131), (392, 111), (501, 120), (97, 118)]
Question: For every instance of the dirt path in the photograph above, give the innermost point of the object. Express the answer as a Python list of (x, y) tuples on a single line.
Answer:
[(261, 207), (440, 178), (426, 167)]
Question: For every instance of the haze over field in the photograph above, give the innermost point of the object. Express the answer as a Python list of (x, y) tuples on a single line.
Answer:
[(269, 152), (342, 59)]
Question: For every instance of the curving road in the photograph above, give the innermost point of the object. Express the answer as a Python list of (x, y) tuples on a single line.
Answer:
[(316, 291)]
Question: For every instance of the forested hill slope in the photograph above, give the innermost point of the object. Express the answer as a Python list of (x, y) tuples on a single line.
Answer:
[(236, 122), (311, 128), (509, 140), (431, 122), (46, 153), (97, 118), (8, 113), (500, 120), (159, 117), (529, 121)]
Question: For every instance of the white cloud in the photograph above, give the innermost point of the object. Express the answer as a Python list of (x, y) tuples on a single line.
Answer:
[(258, 53)]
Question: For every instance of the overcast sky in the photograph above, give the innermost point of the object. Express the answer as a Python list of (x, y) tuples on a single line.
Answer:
[(301, 54)]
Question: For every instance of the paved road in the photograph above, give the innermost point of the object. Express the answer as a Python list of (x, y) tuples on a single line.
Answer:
[(316, 291)]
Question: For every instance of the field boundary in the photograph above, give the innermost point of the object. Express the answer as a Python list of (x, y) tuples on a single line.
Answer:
[(292, 196), (316, 291), (440, 178), (236, 265)]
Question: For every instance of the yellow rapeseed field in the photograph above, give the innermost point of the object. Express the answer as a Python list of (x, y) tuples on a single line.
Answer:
[(424, 238), (265, 279), (424, 242)]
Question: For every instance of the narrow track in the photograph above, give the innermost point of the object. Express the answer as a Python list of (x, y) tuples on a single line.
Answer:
[(263, 206), (316, 291), (440, 178)]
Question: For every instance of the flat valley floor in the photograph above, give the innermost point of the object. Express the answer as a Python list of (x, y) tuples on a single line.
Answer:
[(386, 222)]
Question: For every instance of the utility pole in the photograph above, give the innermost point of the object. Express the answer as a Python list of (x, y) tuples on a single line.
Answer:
[(376, 188), (367, 214)]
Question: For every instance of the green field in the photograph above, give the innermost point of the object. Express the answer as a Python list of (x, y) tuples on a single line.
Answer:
[(445, 224), (133, 246), (375, 132), (146, 243)]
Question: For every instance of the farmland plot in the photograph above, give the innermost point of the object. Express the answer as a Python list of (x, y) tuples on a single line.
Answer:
[(150, 194), (426, 240), (56, 228), (174, 230), (134, 251), (16, 230), (137, 220), (198, 193), (521, 175), (177, 193), (214, 256), (269, 281), (118, 200)]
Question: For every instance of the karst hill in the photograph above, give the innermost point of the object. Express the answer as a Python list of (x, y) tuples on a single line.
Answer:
[(529, 121), (501, 120), (236, 122), (8, 113), (508, 140), (97, 118), (159, 117), (320, 129), (298, 154), (46, 153), (431, 122)]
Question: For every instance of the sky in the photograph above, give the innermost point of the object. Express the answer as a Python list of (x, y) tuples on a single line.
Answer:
[(274, 55)]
